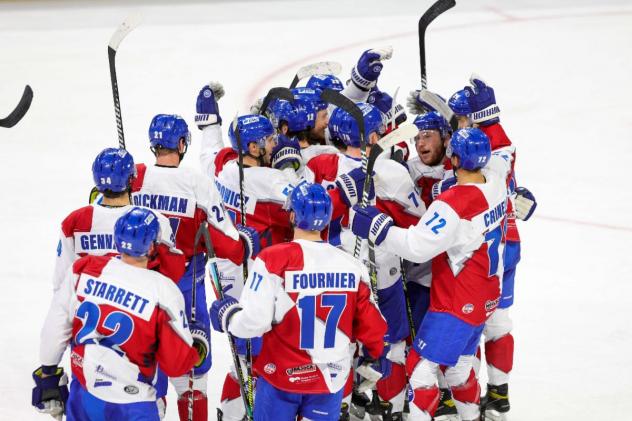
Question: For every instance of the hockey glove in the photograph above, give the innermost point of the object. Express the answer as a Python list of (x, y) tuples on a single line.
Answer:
[(525, 203), (221, 311), (351, 186), (441, 186), (51, 390), (286, 154), (482, 102), (369, 223), (373, 369), (417, 105), (201, 342), (206, 108), (394, 113), (250, 238), (366, 72)]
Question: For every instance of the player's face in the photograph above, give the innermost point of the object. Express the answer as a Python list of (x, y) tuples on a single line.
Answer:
[(320, 124), (271, 142), (430, 147), (464, 121)]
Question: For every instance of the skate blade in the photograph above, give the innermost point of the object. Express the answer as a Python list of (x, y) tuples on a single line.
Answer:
[(493, 415)]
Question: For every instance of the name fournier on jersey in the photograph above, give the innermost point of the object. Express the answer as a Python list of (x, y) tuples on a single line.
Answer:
[(296, 281)]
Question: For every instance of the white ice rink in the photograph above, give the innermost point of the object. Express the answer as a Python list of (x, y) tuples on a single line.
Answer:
[(561, 71)]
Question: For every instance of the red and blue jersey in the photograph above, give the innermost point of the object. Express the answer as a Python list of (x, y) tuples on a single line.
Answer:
[(309, 300), (121, 321)]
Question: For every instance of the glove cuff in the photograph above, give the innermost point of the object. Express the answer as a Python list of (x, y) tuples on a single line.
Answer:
[(227, 314), (203, 120), (379, 228), (360, 82), (486, 114), (348, 188)]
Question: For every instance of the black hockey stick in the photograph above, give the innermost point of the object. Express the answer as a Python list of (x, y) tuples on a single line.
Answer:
[(426, 19), (20, 109), (336, 98), (121, 32), (214, 274), (275, 93), (320, 68)]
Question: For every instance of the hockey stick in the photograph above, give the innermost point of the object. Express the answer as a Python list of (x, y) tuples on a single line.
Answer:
[(426, 19), (196, 241), (20, 109), (320, 68), (214, 274), (275, 93), (121, 32)]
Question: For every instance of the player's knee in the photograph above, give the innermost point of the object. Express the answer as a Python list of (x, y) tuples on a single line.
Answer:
[(499, 324), (422, 373), (459, 374)]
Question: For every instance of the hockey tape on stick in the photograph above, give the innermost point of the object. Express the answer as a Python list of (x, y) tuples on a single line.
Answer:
[(426, 19), (320, 68), (275, 93), (124, 28), (20, 109)]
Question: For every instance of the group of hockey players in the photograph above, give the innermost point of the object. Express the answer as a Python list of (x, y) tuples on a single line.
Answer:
[(344, 294)]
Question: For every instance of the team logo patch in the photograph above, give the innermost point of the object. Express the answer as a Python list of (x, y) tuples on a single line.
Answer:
[(410, 393), (393, 271), (131, 390), (269, 368), (468, 308), (303, 369)]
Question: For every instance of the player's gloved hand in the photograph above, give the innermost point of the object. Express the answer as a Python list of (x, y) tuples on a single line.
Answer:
[(373, 369), (418, 105), (441, 186), (286, 154), (256, 107), (393, 112), (366, 72), (221, 311), (351, 186), (369, 223), (201, 341), (482, 102), (251, 240), (51, 390), (206, 108), (525, 203)]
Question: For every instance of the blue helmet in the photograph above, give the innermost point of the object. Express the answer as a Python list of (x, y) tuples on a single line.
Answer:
[(166, 130), (135, 231), (433, 121), (252, 128), (342, 126), (112, 170), (459, 103), (312, 95), (312, 207), (323, 82), (472, 147), (299, 115)]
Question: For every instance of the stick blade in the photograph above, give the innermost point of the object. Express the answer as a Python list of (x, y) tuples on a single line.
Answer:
[(433, 12), (320, 68), (403, 133), (276, 93), (127, 26), (20, 110)]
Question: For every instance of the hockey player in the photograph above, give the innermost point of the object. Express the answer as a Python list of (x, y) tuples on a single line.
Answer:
[(462, 231), (308, 300), (475, 105), (188, 198), (323, 82), (89, 230), (299, 119), (120, 320)]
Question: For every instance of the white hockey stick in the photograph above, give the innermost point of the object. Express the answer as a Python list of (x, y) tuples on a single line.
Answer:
[(435, 102), (320, 68)]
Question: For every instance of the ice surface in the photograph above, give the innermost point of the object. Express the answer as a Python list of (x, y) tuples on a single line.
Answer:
[(561, 70)]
